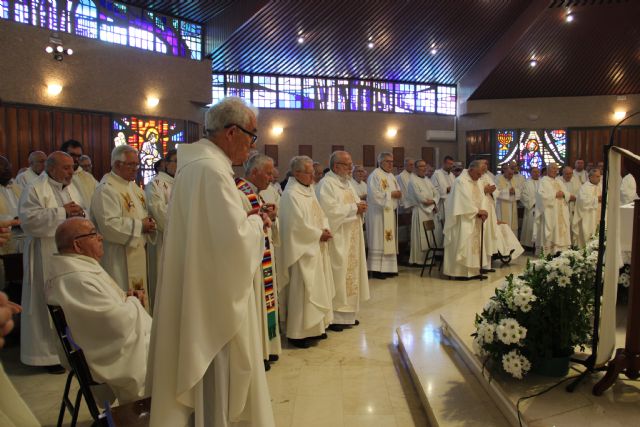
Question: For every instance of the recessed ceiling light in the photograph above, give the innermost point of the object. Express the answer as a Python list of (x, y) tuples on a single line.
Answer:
[(619, 115), (370, 45), (434, 51), (569, 17), (533, 63), (300, 40)]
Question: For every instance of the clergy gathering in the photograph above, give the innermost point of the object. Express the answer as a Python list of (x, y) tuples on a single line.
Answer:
[(275, 213)]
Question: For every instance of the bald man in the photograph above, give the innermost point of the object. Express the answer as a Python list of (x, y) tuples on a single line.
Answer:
[(43, 205), (36, 166), (111, 326)]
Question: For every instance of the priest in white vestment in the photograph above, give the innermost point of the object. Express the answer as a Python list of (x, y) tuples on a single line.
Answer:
[(258, 176), (628, 192), (158, 194), (82, 180), (528, 200), (517, 178), (424, 198), (553, 221), (304, 259), (508, 196), (359, 181), (111, 327), (43, 205), (205, 358), (572, 187), (36, 167), (382, 197), (119, 210), (579, 172), (487, 182), (344, 209), (403, 181), (586, 217), (463, 253), (86, 164), (9, 198), (275, 184), (443, 179)]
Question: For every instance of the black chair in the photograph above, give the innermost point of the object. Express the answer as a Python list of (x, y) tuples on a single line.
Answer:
[(433, 250), (79, 369)]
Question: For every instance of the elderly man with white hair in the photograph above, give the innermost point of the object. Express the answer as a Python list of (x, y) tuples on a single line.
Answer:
[(111, 326), (206, 357), (359, 181), (36, 166), (572, 187), (43, 205), (553, 220), (304, 263), (586, 217), (345, 210), (382, 198), (423, 198), (119, 210), (258, 175)]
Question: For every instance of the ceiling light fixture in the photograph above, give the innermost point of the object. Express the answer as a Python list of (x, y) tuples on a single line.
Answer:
[(277, 130), (392, 132), (434, 51), (569, 17), (300, 40), (152, 101), (58, 51), (533, 62), (619, 115), (370, 45), (54, 89)]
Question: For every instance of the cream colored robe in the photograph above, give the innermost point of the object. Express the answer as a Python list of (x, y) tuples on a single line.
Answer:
[(360, 188), (271, 195), (586, 217), (552, 217), (307, 277), (507, 203), (118, 208), (582, 176), (462, 229), (205, 359), (403, 179), (348, 258), (14, 412), (491, 224), (25, 178), (158, 194), (420, 190), (627, 189), (9, 200), (273, 345), (381, 222), (86, 185), (573, 188), (40, 212), (112, 330), (528, 200), (441, 180)]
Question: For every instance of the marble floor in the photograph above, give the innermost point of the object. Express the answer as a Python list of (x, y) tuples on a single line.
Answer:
[(354, 378)]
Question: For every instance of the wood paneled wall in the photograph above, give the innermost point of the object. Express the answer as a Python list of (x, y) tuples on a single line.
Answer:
[(478, 142), (587, 143)]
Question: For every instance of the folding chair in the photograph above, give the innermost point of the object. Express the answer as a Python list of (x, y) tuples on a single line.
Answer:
[(79, 369), (433, 250)]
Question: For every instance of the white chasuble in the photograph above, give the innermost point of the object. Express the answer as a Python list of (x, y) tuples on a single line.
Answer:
[(205, 361), (118, 208), (158, 194), (490, 226), (381, 222), (25, 178), (528, 200), (443, 181), (112, 330), (86, 185), (586, 217), (420, 190), (9, 200), (552, 217), (306, 266), (264, 280), (348, 258), (463, 228), (628, 190), (40, 211), (507, 203)]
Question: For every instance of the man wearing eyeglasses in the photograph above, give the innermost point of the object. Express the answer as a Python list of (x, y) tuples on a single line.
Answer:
[(158, 193), (82, 180), (43, 205), (119, 210), (206, 357), (110, 325)]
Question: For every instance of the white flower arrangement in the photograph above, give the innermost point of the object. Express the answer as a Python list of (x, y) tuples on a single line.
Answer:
[(515, 364)]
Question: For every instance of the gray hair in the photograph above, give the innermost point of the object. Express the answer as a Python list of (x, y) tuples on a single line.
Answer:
[(32, 156), (297, 163), (409, 159), (229, 110), (334, 157), (383, 156), (52, 161), (420, 161), (593, 171), (84, 157), (475, 164), (553, 166), (567, 167), (257, 161), (117, 154)]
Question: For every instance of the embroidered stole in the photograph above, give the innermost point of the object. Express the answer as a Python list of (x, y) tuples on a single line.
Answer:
[(388, 215), (267, 263)]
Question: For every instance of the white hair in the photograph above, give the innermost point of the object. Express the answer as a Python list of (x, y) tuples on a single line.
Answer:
[(383, 155), (33, 155), (257, 161), (297, 163), (84, 157), (228, 111), (117, 154), (475, 164), (334, 157)]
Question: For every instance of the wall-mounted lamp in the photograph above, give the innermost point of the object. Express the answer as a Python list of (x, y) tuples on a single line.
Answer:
[(277, 130), (152, 101), (392, 132), (54, 89), (619, 115), (58, 51)]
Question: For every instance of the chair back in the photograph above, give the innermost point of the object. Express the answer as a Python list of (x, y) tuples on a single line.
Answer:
[(76, 358), (429, 227)]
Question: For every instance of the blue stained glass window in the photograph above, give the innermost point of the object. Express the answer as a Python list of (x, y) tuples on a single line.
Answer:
[(4, 9), (361, 95), (265, 91), (289, 92), (239, 85), (446, 100), (192, 35), (425, 98), (383, 97), (217, 90), (531, 148), (22, 11), (343, 95), (405, 98), (84, 20), (506, 146)]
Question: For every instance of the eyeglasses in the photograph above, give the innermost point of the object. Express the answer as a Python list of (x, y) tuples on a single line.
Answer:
[(253, 136), (82, 236)]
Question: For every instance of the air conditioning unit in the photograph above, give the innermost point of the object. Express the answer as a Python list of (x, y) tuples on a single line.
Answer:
[(441, 135)]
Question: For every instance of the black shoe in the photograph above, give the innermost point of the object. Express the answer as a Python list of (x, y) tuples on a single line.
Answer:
[(267, 365), (55, 369), (357, 323), (319, 337), (336, 328), (390, 274), (488, 270), (300, 343), (378, 275), (273, 358)]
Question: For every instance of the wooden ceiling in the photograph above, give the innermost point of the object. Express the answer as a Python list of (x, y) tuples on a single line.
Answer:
[(483, 45)]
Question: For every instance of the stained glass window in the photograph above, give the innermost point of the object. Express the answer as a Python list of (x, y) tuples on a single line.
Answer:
[(383, 97), (425, 99), (289, 92), (446, 100), (109, 21), (361, 95), (265, 91), (239, 85), (531, 148), (318, 93), (217, 90), (151, 137), (343, 94), (405, 98)]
